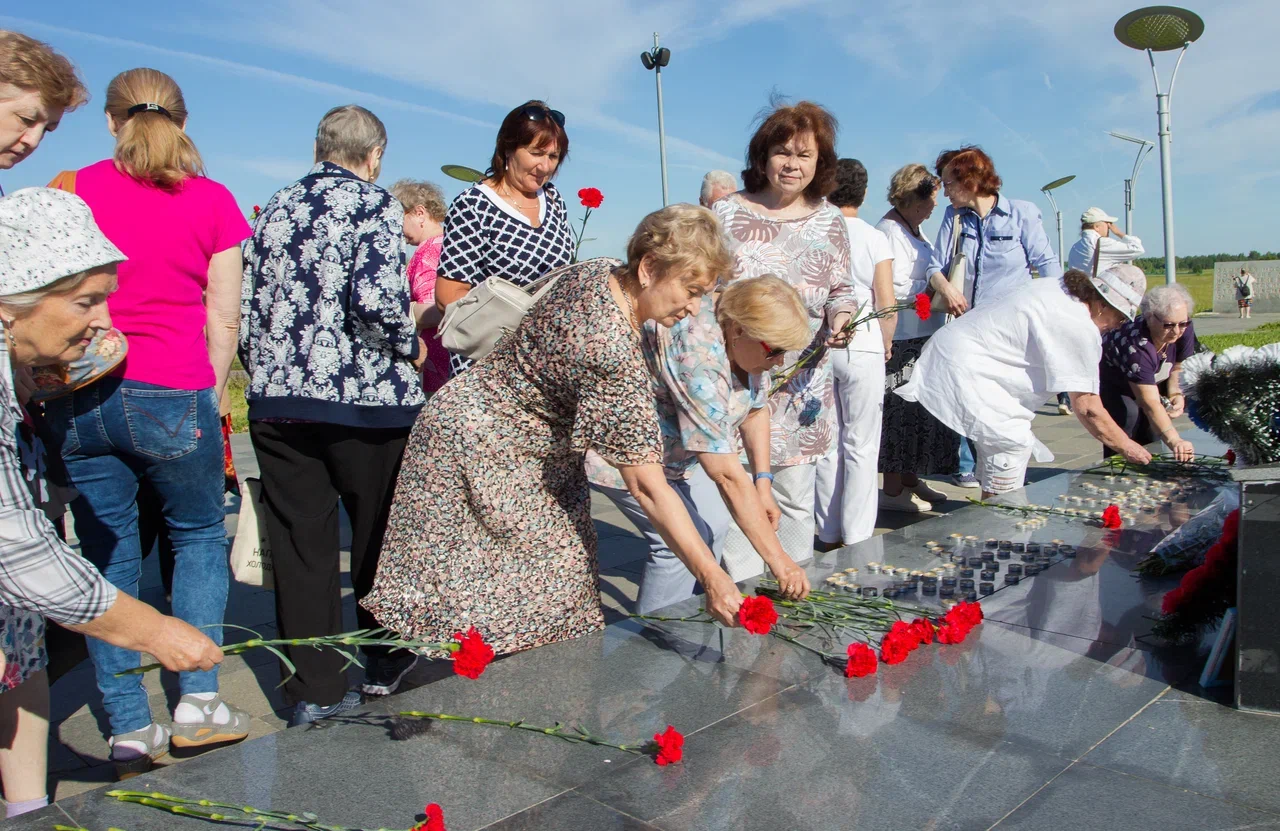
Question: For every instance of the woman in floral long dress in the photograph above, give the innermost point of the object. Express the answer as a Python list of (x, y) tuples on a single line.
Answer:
[(491, 525), (781, 224)]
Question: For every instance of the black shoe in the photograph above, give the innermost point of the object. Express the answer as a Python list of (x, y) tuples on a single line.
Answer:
[(382, 676), (304, 712)]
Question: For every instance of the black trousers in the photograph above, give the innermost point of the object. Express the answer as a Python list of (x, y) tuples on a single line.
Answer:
[(306, 469)]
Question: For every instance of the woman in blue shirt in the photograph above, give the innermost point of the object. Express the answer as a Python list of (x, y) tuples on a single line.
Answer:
[(1002, 239)]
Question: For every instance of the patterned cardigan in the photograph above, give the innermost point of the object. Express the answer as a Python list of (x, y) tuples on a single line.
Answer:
[(325, 331)]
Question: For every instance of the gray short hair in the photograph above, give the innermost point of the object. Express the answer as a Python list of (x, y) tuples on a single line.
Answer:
[(1161, 300), (348, 134), (24, 302), (413, 193), (717, 180)]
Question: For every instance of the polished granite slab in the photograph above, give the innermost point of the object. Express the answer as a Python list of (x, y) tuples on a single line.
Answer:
[(1055, 713)]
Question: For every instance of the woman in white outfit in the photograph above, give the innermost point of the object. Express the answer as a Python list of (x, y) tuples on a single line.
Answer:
[(985, 373), (845, 503), (912, 442), (711, 391)]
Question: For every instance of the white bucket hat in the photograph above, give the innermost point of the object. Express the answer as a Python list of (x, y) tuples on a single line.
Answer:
[(45, 235), (1122, 285)]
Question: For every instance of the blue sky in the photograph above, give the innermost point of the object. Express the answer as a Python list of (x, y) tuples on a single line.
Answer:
[(1037, 85)]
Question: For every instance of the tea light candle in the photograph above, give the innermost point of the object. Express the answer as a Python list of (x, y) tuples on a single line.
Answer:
[(1003, 555), (891, 593), (971, 539), (1015, 568), (966, 585), (870, 591), (966, 572), (874, 568), (833, 580), (1067, 550), (988, 575), (851, 571), (1031, 569), (948, 581), (971, 596), (948, 604), (947, 591), (1012, 579), (1033, 548), (988, 556), (992, 543), (929, 587), (888, 571), (986, 588)]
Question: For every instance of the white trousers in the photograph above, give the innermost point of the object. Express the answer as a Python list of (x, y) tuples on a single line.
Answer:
[(1002, 472), (847, 498), (793, 491)]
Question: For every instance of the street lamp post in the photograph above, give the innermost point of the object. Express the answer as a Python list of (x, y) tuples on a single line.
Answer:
[(1047, 190), (1131, 184), (655, 59), (1161, 29)]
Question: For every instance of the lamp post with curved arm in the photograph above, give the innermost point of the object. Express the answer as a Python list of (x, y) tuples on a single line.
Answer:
[(655, 59), (1162, 29), (1047, 190), (1131, 184)]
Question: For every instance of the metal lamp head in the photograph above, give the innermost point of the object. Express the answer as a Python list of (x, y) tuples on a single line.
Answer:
[(1159, 28), (1133, 139), (647, 60), (1056, 183)]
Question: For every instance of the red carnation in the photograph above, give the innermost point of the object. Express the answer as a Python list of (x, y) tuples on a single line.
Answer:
[(434, 820), (1230, 456), (969, 614), (473, 654), (862, 661), (256, 209), (951, 633), (757, 615), (668, 745), (591, 197), (1231, 528), (1172, 600), (894, 649), (924, 306), (923, 629), (1111, 517), (903, 631)]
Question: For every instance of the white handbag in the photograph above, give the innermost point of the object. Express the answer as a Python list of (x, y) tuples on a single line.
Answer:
[(251, 552), (472, 326)]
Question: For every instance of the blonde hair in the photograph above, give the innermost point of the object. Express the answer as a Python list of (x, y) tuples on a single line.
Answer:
[(768, 309), (150, 144), (683, 241), (910, 184), (347, 135), (33, 66), (413, 193)]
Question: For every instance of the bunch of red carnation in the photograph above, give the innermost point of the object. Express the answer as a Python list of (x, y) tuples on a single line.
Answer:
[(959, 622), (1206, 591)]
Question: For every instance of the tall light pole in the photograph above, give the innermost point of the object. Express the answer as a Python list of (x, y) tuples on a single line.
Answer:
[(1161, 29), (1131, 184), (1047, 190), (655, 59)]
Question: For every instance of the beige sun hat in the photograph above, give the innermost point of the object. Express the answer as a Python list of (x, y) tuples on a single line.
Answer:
[(1122, 285)]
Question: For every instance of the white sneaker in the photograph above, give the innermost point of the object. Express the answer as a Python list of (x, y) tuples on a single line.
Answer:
[(928, 494), (905, 503), (1064, 409)]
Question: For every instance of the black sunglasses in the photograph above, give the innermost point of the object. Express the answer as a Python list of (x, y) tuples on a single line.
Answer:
[(535, 113)]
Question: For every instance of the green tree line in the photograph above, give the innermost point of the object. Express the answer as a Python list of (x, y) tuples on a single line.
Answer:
[(1202, 262)]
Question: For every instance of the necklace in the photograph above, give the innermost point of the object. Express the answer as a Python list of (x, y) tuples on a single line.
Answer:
[(631, 309), (510, 197), (914, 229)]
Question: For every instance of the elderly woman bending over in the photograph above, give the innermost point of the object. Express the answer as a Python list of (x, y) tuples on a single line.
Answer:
[(712, 398), (491, 524), (1141, 366), (1039, 339)]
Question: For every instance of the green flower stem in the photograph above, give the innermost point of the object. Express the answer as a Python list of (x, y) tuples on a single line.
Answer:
[(344, 643), (1165, 465), (227, 813), (855, 320), (700, 617), (578, 736)]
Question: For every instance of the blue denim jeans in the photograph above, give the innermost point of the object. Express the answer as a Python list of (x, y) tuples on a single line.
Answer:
[(112, 434), (967, 462)]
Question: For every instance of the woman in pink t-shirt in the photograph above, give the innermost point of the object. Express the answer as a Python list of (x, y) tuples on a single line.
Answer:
[(155, 419), (424, 209)]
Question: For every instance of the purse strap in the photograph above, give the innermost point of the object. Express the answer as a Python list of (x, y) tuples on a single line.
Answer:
[(957, 237)]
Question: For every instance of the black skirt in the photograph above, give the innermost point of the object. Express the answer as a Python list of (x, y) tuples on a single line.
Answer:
[(911, 440)]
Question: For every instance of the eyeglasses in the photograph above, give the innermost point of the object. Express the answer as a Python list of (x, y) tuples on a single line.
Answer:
[(770, 352), (1178, 324), (533, 112)]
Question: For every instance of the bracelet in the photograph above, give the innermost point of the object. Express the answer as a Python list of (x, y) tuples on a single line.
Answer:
[(765, 475)]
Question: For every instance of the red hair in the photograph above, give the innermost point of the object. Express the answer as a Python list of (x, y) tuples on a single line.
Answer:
[(971, 168), (784, 124)]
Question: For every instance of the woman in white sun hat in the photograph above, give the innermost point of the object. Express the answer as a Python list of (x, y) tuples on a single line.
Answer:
[(984, 374), (56, 270)]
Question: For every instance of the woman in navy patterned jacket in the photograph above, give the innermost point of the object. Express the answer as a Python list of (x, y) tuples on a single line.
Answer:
[(334, 388)]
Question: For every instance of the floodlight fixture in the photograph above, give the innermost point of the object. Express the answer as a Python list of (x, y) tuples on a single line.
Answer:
[(655, 59)]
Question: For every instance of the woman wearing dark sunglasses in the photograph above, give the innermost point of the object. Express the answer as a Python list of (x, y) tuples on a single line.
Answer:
[(513, 223), (711, 394), (1142, 365)]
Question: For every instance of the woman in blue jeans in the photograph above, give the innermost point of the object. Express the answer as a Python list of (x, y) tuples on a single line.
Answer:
[(155, 420), (711, 393)]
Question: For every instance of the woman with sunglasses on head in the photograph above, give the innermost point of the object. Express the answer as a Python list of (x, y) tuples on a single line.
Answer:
[(512, 224), (712, 396), (1141, 366)]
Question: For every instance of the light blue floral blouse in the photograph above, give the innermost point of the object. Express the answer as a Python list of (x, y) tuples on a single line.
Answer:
[(700, 401)]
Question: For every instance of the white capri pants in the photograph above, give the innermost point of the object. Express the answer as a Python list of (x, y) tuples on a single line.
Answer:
[(848, 484), (1001, 472), (666, 580), (793, 491)]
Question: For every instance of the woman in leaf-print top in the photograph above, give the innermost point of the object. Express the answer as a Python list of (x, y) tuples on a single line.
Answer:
[(781, 224)]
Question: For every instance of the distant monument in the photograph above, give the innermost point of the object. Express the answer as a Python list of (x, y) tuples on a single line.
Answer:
[(1266, 285)]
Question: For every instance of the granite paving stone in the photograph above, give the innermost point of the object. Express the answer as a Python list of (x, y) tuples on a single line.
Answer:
[(811, 758), (43, 820), (1189, 742), (1087, 798), (569, 810)]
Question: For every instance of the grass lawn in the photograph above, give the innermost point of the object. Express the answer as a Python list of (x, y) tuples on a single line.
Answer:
[(1200, 286), (1258, 336), (239, 408)]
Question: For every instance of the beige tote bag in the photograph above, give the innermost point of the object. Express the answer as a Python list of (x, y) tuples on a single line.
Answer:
[(251, 551), (472, 326), (959, 266)]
